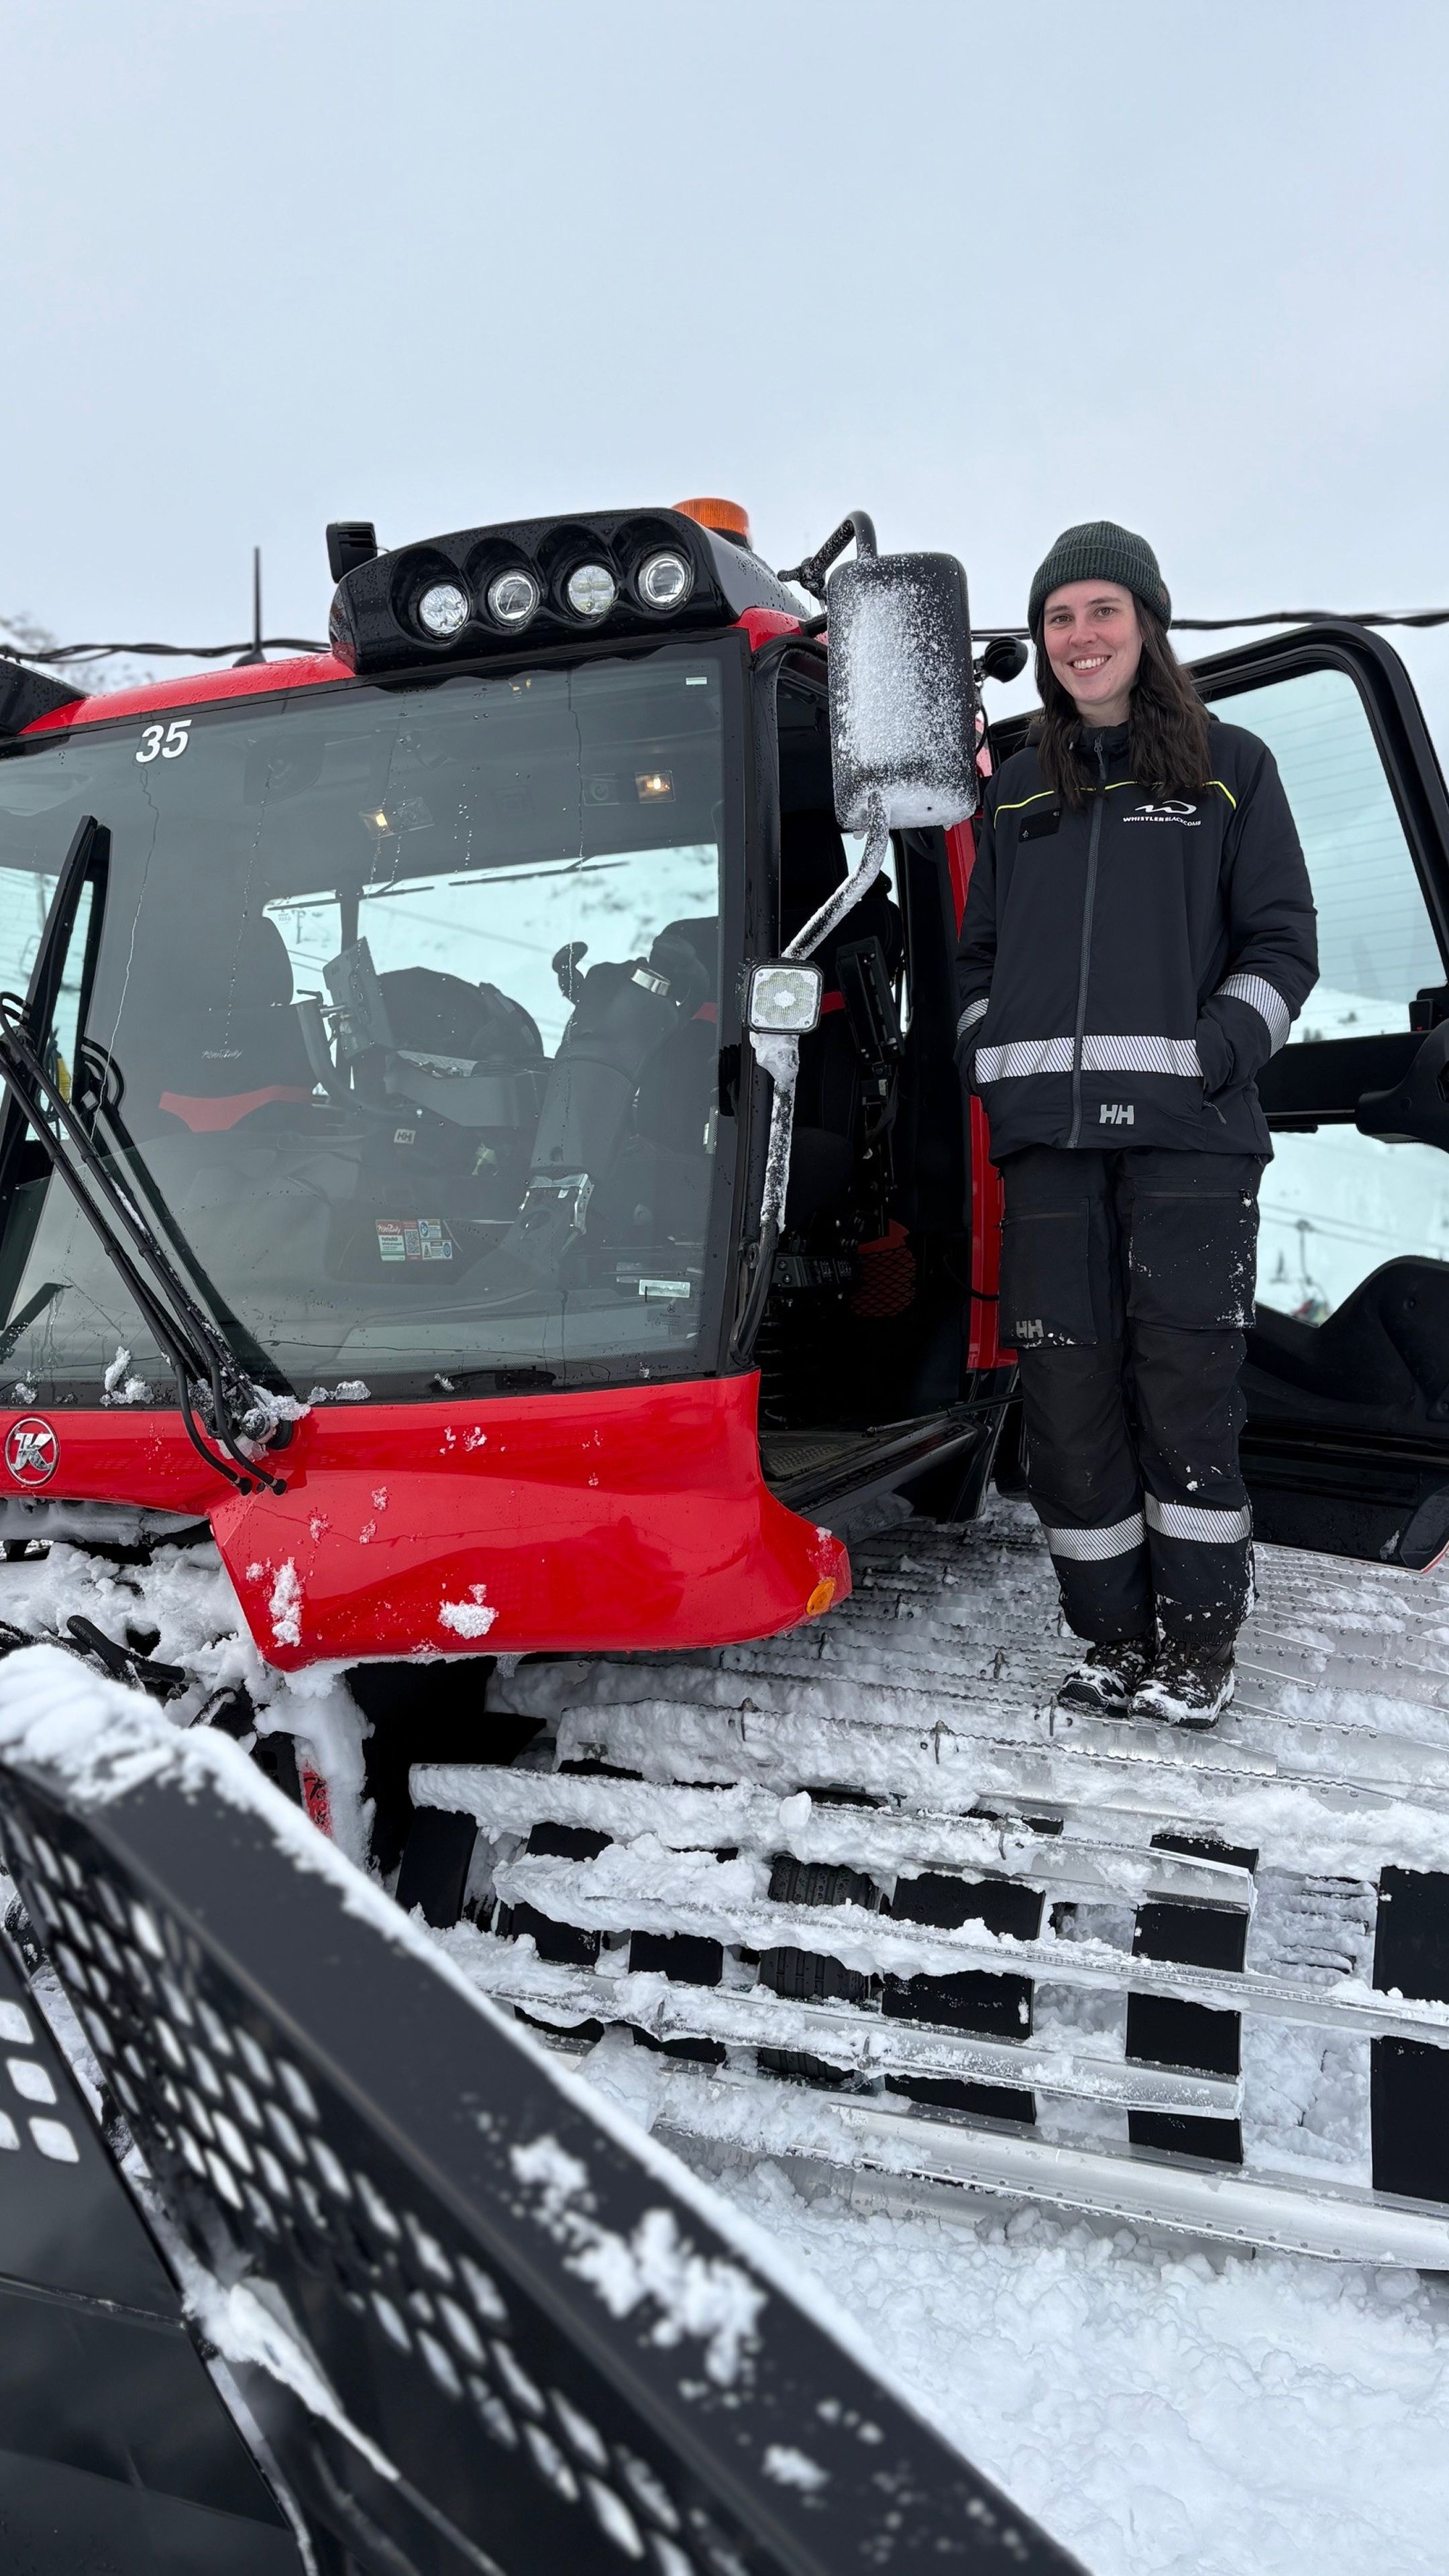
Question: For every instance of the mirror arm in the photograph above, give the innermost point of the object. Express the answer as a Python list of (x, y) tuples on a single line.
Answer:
[(848, 893), (811, 573), (780, 1060), (779, 1057)]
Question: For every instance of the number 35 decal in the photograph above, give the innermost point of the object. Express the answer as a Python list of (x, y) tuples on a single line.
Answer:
[(168, 740)]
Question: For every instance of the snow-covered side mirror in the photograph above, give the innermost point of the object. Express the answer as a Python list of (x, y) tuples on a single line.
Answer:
[(902, 708)]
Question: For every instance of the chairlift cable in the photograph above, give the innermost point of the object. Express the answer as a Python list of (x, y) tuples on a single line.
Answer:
[(1420, 617)]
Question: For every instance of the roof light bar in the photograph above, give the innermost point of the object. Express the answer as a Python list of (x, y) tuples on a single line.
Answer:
[(617, 574)]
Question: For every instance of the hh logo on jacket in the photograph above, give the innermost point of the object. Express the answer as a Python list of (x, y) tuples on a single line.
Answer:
[(1116, 1113), (1165, 809)]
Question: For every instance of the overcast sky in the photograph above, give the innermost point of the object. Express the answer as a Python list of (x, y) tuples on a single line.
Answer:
[(985, 267)]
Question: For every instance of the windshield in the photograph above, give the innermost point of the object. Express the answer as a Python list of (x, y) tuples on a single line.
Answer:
[(403, 1003)]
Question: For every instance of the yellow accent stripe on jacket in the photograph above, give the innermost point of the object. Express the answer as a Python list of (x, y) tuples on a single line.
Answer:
[(1023, 801)]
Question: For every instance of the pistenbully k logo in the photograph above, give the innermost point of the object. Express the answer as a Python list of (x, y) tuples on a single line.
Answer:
[(32, 1451)]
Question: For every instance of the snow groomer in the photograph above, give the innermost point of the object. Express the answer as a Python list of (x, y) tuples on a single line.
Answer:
[(1139, 938)]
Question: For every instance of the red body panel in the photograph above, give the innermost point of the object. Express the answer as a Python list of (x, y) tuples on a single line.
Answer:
[(632, 1518), (195, 689), (307, 671), (763, 624)]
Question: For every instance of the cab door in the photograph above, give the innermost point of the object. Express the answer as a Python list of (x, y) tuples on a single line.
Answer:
[(1346, 1446)]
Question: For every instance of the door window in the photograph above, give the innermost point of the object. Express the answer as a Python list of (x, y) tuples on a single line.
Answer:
[(1376, 943), (1337, 1205)]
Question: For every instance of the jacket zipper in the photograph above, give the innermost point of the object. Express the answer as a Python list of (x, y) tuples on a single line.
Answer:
[(1087, 908)]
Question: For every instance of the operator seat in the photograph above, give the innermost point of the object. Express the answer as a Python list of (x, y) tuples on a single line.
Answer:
[(813, 863), (623, 1011), (658, 1190), (1379, 1364), (678, 1082), (219, 1042)]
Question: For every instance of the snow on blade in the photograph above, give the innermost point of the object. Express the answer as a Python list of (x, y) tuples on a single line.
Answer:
[(244, 2331), (696, 2295), (790, 2468)]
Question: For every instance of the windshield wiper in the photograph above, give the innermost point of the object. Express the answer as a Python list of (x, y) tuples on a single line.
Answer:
[(198, 1353)]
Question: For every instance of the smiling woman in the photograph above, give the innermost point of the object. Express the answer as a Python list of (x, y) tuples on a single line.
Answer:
[(1103, 658), (1139, 937)]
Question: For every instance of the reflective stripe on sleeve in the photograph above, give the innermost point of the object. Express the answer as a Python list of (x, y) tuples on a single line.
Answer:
[(1261, 997), (973, 1012), (1026, 1056), (1217, 1527), (1090, 1546)]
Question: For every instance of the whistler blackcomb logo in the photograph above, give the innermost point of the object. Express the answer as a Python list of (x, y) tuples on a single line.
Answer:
[(1166, 809)]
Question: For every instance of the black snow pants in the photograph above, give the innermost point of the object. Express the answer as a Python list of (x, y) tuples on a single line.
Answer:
[(1126, 1288)]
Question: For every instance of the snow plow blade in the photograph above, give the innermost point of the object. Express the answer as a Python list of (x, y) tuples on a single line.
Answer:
[(869, 1901), (479, 2323)]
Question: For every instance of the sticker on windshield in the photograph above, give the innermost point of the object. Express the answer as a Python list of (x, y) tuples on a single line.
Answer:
[(164, 742), (413, 1238)]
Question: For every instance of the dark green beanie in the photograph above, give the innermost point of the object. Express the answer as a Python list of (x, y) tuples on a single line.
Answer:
[(1099, 551)]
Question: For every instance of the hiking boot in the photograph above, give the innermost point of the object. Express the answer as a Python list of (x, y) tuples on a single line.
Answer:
[(1104, 1682), (1186, 1686)]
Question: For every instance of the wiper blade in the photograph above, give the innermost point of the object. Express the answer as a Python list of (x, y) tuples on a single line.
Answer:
[(95, 1090), (197, 1351)]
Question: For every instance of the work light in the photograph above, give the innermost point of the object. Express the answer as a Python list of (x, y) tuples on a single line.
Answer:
[(784, 999), (443, 609), (665, 580), (512, 597), (591, 591)]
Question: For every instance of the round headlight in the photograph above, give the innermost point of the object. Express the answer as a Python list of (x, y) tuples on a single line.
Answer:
[(512, 597), (591, 591), (666, 580), (443, 609)]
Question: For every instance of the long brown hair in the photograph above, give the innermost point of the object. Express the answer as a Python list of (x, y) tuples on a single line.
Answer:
[(1167, 725)]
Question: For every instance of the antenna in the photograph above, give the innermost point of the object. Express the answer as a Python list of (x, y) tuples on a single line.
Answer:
[(254, 652)]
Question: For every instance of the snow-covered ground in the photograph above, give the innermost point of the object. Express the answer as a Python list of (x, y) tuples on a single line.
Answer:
[(1165, 2410), (1162, 2411)]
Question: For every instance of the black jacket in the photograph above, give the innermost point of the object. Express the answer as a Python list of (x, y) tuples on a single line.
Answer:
[(1124, 973)]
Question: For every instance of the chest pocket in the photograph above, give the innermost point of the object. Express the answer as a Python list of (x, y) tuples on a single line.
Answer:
[(1039, 827)]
